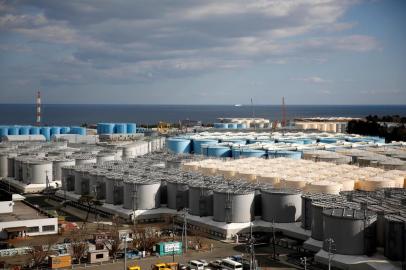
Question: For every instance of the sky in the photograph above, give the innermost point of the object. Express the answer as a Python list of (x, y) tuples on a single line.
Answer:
[(203, 52)]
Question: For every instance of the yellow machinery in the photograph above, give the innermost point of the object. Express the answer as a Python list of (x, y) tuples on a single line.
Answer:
[(165, 266), (163, 127), (134, 267)]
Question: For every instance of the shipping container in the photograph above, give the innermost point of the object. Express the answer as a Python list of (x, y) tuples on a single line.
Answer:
[(169, 248)]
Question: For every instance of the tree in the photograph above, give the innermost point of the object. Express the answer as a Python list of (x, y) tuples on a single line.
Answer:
[(79, 244), (38, 254), (90, 202), (114, 241)]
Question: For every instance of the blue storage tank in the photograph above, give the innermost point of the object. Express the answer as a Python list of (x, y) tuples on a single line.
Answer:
[(55, 131), (24, 130), (65, 130), (35, 130), (308, 141), (218, 151), (78, 130), (205, 148), (289, 154), (120, 128), (197, 144), (105, 128), (241, 126), (3, 131), (46, 131), (233, 125), (13, 130), (252, 153), (251, 141), (179, 145), (131, 128), (328, 140), (220, 125)]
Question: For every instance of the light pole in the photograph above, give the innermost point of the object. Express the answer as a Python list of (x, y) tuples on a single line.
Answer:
[(124, 237), (304, 262), (330, 248), (184, 229)]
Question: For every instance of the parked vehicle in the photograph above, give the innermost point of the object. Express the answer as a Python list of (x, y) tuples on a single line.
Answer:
[(196, 265)]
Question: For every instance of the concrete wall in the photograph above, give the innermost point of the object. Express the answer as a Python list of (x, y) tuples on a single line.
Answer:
[(30, 223), (6, 207)]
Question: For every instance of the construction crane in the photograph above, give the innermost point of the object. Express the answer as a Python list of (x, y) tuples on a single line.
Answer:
[(38, 114), (163, 127), (283, 122)]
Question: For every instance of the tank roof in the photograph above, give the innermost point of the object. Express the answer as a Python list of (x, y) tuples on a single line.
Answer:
[(349, 213)]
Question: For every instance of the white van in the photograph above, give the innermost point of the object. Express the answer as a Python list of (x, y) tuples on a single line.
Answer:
[(230, 264), (196, 265)]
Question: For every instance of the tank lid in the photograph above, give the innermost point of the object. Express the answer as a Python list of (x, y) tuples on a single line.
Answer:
[(349, 213), (396, 218), (281, 191)]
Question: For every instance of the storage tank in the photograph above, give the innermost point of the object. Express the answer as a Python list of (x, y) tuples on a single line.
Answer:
[(233, 205), (57, 165), (197, 144), (232, 125), (11, 165), (237, 153), (201, 199), (179, 146), (281, 206), (353, 231), (324, 186), (395, 237), (4, 163), (55, 131), (78, 130), (104, 157), (113, 181), (24, 130), (218, 151), (178, 195), (381, 211), (64, 130), (220, 125), (85, 159), (40, 171), (105, 128), (3, 131), (141, 194), (35, 130), (46, 131), (120, 128), (78, 173), (131, 128), (289, 154), (13, 130)]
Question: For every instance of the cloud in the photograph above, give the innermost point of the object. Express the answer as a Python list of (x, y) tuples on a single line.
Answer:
[(312, 79), (136, 41)]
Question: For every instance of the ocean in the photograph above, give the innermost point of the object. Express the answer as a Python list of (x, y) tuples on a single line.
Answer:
[(69, 114)]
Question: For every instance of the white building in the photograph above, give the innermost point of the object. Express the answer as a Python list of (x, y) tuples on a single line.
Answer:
[(19, 219)]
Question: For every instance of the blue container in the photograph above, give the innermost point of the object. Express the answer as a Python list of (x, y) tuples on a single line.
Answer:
[(241, 126), (24, 130), (197, 145), (65, 130), (220, 125), (218, 151), (205, 148), (179, 145), (35, 130), (78, 130), (55, 131), (308, 141), (289, 154), (120, 128), (328, 140), (131, 128), (260, 141), (105, 128), (13, 130), (46, 131), (252, 153), (233, 125), (3, 131)]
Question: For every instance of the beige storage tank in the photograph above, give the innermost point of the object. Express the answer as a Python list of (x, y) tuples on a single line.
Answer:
[(327, 187), (374, 183)]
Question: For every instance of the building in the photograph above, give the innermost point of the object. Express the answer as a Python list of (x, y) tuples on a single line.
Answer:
[(19, 219)]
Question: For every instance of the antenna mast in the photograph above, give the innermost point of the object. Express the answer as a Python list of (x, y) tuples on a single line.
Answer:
[(38, 121), (283, 112)]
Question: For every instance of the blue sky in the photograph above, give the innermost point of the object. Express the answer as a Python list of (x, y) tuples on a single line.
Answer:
[(203, 52)]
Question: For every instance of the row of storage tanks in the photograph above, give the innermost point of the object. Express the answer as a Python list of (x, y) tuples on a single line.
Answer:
[(37, 163), (222, 144), (358, 222), (47, 132), (242, 123), (116, 128), (307, 175), (143, 184), (328, 126)]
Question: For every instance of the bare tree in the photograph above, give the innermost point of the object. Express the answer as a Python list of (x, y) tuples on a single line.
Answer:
[(37, 254), (90, 202), (79, 244), (112, 243)]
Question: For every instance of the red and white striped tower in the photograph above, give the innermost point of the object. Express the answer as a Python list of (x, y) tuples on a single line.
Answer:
[(38, 122)]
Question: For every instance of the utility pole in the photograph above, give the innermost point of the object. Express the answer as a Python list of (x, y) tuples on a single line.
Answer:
[(125, 250), (304, 262), (184, 227), (252, 250), (283, 112), (330, 249), (273, 239), (38, 114), (173, 238)]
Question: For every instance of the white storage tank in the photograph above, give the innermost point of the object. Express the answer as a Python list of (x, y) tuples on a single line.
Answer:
[(57, 165), (84, 159), (141, 194), (281, 205), (233, 205), (39, 172), (201, 199), (104, 157)]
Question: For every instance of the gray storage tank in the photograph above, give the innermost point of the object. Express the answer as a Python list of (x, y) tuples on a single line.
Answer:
[(201, 199), (381, 211), (112, 179), (141, 194), (233, 205), (395, 237), (178, 194), (281, 205), (353, 231)]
